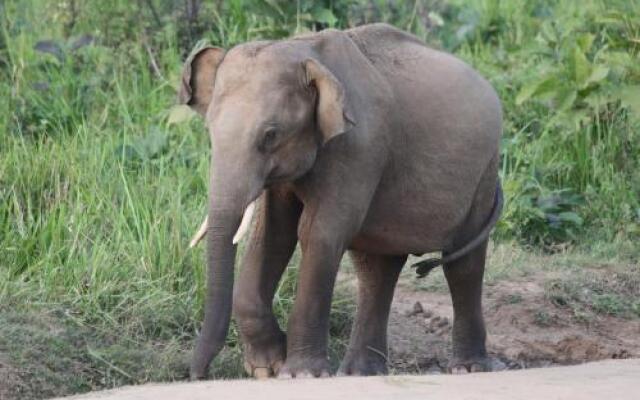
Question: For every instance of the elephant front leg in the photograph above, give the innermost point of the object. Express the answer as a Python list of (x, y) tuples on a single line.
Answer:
[(308, 327), (269, 250)]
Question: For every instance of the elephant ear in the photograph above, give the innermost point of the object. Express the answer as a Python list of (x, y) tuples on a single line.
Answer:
[(332, 111), (198, 75)]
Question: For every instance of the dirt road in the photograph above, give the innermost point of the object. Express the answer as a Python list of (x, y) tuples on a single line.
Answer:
[(614, 379)]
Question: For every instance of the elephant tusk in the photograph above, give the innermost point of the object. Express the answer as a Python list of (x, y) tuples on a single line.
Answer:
[(200, 234), (242, 229), (246, 221)]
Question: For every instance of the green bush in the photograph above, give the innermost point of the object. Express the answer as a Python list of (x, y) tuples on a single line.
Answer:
[(568, 76)]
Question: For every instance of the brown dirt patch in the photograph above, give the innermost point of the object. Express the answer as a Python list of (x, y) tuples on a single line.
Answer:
[(525, 329)]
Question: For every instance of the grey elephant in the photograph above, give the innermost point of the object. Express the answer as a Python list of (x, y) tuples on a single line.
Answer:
[(363, 140)]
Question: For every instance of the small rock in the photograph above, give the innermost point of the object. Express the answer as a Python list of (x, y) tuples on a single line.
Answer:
[(443, 322), (427, 314), (443, 331), (498, 365), (417, 309), (434, 370)]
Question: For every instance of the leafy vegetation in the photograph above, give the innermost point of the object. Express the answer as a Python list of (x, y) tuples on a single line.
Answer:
[(102, 180)]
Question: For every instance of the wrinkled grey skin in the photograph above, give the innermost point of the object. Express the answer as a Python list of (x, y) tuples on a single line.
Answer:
[(364, 140)]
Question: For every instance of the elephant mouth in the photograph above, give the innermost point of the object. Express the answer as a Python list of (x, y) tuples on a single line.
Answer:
[(247, 217)]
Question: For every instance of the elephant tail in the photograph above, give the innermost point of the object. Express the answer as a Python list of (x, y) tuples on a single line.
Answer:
[(424, 267)]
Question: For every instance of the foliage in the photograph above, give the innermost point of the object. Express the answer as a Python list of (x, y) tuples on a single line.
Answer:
[(547, 216), (568, 76)]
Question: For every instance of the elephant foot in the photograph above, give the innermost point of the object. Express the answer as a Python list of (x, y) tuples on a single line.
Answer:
[(265, 360), (301, 368), (458, 366), (364, 363)]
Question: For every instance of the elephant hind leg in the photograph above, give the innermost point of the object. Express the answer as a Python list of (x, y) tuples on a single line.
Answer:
[(377, 277), (464, 277)]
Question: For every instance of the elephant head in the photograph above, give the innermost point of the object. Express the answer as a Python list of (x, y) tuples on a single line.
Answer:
[(269, 109)]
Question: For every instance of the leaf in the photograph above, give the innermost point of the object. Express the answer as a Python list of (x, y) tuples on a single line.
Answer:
[(180, 113), (526, 92), (565, 99), (325, 16), (538, 88), (548, 33), (539, 213), (548, 203), (570, 216), (435, 19), (581, 67), (585, 41), (598, 73), (630, 98), (548, 88)]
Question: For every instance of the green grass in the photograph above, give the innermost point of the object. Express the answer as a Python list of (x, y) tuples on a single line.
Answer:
[(613, 292), (101, 185)]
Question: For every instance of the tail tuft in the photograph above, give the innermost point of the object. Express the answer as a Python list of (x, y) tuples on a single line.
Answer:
[(424, 267)]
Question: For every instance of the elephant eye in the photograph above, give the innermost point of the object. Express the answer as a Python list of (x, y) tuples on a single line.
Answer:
[(268, 139), (270, 135)]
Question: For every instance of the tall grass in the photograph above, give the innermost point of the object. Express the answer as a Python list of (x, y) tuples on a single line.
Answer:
[(100, 187)]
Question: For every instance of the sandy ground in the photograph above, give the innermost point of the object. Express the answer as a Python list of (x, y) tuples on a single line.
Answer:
[(613, 379)]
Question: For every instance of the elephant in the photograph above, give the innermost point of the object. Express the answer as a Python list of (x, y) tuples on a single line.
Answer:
[(364, 141)]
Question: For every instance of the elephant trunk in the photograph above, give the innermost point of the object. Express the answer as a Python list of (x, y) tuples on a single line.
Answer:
[(226, 209)]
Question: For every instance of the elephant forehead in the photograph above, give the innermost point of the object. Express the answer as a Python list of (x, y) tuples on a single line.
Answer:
[(258, 91), (269, 70), (242, 111), (247, 81), (254, 90)]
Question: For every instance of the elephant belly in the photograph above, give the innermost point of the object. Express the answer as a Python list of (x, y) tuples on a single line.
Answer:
[(403, 224), (391, 242)]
